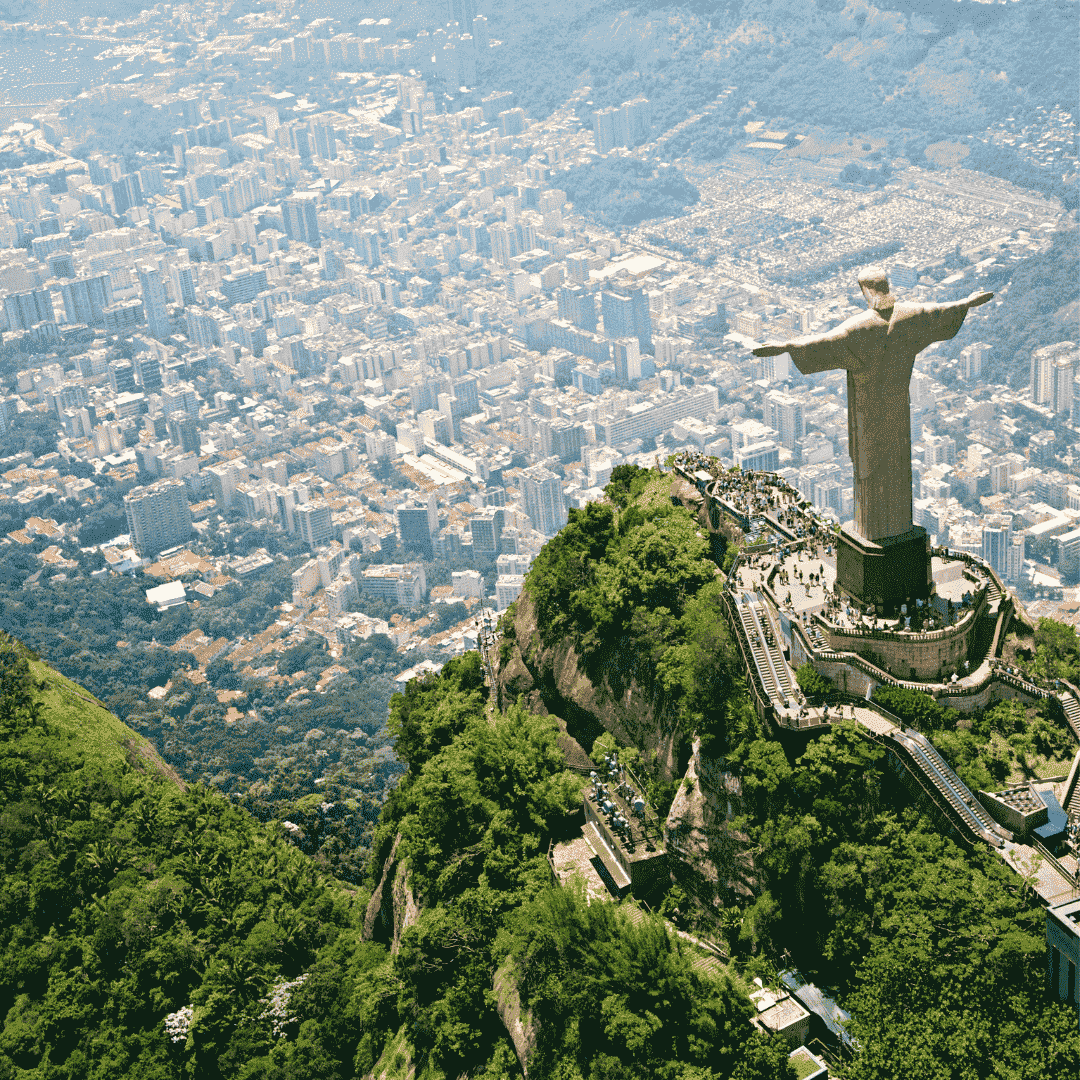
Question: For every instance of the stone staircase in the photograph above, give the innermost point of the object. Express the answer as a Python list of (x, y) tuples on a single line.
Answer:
[(1071, 708)]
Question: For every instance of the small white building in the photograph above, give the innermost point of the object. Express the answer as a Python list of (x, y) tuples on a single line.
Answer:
[(168, 595), (467, 583)]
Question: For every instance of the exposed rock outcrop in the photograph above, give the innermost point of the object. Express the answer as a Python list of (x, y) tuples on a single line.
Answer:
[(393, 906), (553, 680), (508, 1003), (708, 857)]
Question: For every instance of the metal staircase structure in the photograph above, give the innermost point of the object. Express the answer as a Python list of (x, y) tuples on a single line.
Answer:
[(768, 658), (948, 792)]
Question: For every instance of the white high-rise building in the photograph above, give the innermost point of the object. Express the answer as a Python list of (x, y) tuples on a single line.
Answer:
[(152, 287), (314, 524), (1042, 369), (542, 494), (996, 543), (1063, 374), (1014, 562)]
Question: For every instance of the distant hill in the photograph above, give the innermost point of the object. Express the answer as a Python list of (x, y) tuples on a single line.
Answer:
[(924, 65)]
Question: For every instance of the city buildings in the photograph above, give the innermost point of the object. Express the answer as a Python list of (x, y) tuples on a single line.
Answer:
[(543, 499), (300, 219), (313, 523), (396, 325)]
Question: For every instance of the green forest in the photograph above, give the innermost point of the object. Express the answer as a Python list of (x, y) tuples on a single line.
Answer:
[(155, 930), (151, 928), (626, 192)]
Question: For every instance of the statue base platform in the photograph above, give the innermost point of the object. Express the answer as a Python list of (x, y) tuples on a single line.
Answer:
[(886, 573)]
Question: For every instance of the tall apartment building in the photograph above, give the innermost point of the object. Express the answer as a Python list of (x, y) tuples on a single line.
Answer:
[(485, 528), (542, 494), (418, 522), (24, 310), (628, 125), (152, 287), (626, 314), (633, 119), (603, 129), (996, 542), (148, 372), (314, 524), (972, 359), (577, 305), (1063, 375), (1043, 362), (300, 218), (504, 243), (325, 141), (158, 516), (784, 414), (85, 299), (627, 356), (122, 376), (1014, 561)]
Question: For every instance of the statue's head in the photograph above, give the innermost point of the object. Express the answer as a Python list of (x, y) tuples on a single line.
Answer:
[(875, 287)]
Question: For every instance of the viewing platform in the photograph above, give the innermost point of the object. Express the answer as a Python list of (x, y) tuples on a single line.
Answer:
[(622, 829)]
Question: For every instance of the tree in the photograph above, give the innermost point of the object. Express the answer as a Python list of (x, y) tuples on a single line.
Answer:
[(812, 683)]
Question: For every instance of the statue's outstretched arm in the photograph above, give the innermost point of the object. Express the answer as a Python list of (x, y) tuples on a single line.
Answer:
[(819, 352), (940, 322)]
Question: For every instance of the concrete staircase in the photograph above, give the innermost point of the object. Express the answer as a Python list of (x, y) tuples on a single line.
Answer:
[(1071, 708)]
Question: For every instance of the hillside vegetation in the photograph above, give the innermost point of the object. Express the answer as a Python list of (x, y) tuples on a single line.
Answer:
[(152, 930), (630, 587), (839, 871), (148, 930)]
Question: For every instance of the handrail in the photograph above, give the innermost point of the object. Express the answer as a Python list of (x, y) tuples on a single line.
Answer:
[(895, 635), (1050, 857)]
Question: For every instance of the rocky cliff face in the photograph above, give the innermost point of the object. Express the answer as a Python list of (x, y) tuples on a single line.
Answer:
[(393, 906), (553, 680), (519, 1025), (708, 856)]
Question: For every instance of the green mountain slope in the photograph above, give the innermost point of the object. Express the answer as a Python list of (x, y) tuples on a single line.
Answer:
[(126, 898), (153, 930)]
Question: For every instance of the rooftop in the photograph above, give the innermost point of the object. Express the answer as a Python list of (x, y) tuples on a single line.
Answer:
[(1020, 798)]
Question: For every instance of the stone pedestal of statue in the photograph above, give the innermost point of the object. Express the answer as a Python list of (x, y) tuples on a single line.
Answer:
[(888, 572)]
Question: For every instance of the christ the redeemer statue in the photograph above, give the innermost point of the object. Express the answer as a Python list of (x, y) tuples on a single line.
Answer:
[(877, 349)]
